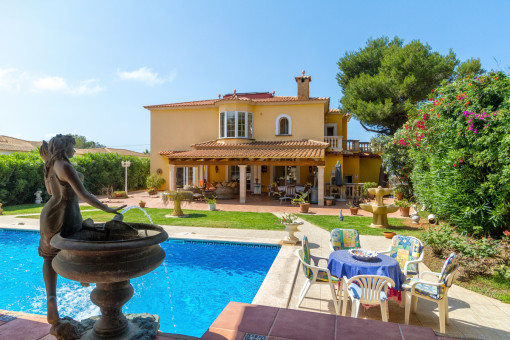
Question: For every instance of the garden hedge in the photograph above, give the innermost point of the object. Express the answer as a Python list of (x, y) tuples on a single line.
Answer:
[(21, 174)]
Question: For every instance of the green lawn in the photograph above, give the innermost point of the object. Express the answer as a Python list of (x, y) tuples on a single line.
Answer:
[(361, 224), (197, 218), (30, 209)]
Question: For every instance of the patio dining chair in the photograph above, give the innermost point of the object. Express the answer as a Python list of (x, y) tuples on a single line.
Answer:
[(344, 239), (367, 290), (290, 193), (436, 291), (315, 274), (408, 251)]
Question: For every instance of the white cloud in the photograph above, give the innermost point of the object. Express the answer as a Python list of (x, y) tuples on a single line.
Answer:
[(59, 84), (12, 79), (145, 75), (88, 87), (50, 84)]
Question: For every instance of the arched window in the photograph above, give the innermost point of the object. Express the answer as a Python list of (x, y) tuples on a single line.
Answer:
[(283, 125)]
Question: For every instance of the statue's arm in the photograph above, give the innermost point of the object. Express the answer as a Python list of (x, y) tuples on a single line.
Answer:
[(67, 173)]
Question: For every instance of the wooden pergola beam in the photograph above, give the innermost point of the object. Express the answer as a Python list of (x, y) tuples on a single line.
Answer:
[(286, 162)]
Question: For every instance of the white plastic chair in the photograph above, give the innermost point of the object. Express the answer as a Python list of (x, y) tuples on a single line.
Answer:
[(410, 254), (315, 274), (290, 193), (436, 291), (367, 290)]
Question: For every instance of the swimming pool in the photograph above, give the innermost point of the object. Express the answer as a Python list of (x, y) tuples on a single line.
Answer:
[(188, 291)]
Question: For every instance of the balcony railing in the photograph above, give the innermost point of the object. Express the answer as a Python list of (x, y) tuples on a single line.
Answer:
[(335, 142)]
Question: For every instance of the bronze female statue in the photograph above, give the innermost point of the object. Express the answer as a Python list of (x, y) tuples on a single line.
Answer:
[(61, 214)]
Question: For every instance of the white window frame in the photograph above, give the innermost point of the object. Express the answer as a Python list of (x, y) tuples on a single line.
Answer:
[(248, 116), (283, 115), (333, 125)]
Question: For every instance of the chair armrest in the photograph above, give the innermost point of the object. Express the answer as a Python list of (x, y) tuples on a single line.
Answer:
[(331, 247), (316, 259), (430, 273), (407, 263)]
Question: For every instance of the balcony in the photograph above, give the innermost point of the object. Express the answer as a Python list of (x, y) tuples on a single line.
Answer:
[(337, 143)]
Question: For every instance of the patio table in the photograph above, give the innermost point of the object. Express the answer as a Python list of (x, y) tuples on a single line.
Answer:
[(341, 263)]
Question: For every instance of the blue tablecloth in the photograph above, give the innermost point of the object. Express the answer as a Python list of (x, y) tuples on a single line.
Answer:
[(341, 264)]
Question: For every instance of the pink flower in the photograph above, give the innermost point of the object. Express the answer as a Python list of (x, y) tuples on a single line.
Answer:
[(454, 164), (460, 160), (506, 232)]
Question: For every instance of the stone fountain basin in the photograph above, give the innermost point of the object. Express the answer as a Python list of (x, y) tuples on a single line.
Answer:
[(84, 257), (379, 210)]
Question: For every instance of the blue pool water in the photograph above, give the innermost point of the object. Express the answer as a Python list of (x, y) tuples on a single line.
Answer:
[(188, 291)]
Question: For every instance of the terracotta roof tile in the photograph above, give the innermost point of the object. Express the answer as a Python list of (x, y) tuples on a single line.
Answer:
[(291, 144), (257, 149), (214, 101), (17, 145), (247, 153)]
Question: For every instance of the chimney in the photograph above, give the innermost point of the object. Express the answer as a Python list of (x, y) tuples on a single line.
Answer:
[(303, 91)]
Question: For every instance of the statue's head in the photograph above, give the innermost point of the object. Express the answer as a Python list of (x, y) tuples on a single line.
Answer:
[(59, 146)]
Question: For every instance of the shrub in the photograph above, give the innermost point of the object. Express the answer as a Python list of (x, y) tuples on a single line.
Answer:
[(154, 181), (458, 143), (104, 169), (366, 186), (22, 174)]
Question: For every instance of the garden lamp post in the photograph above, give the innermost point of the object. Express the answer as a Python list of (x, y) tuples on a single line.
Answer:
[(126, 165)]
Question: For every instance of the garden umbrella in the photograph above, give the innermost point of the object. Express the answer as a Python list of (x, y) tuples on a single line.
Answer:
[(338, 174)]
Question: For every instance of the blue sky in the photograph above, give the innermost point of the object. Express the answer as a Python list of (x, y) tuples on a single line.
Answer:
[(89, 67)]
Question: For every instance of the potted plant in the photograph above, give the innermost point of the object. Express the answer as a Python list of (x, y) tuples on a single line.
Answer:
[(398, 193), (154, 182), (365, 187), (212, 202), (141, 204), (120, 194), (304, 206), (291, 223), (405, 206), (352, 208)]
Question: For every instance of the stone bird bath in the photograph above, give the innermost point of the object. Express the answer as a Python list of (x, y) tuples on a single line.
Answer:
[(379, 209)]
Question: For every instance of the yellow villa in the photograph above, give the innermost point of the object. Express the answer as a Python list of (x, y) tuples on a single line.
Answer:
[(257, 139)]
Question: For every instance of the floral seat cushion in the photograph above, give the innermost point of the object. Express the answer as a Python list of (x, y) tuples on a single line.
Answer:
[(406, 248), (321, 275), (433, 292), (344, 239)]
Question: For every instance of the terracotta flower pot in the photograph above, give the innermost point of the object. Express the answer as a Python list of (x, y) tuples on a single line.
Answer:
[(329, 202), (404, 211), (354, 211), (303, 207), (388, 234), (141, 204)]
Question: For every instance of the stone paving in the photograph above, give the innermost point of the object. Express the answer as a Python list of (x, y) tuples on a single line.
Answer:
[(471, 315)]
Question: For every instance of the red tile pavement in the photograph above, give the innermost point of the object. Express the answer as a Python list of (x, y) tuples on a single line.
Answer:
[(300, 325), (254, 203), (24, 329)]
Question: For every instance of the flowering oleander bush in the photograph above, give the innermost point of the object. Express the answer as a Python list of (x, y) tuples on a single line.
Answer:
[(459, 144)]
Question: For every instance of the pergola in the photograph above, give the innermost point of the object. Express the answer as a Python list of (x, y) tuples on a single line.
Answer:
[(286, 153)]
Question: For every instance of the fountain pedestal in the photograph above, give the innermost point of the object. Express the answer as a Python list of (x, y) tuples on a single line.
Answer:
[(110, 258), (379, 210)]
